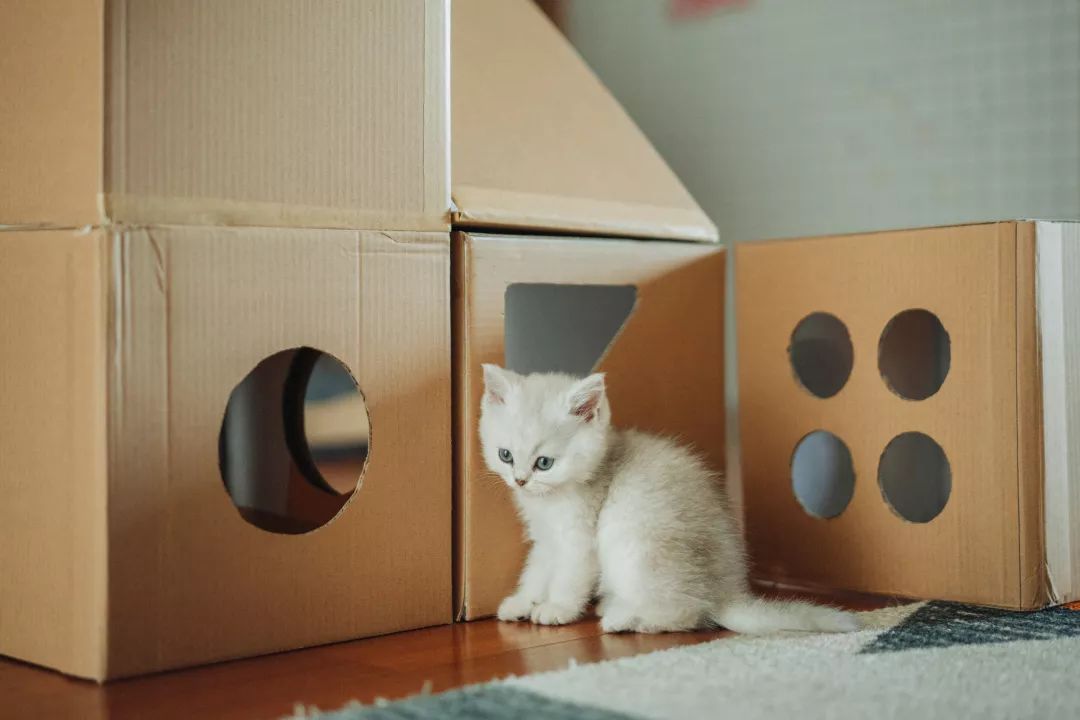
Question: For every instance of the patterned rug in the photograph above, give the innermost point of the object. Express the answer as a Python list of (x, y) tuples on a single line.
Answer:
[(924, 661)]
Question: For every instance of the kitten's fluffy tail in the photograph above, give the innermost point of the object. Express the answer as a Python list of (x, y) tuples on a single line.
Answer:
[(756, 616)]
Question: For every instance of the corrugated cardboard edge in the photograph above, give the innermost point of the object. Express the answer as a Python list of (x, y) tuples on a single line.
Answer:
[(97, 497), (95, 577), (1034, 589), (460, 312), (140, 395), (493, 209)]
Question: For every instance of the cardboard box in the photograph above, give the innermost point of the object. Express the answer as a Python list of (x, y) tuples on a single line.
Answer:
[(945, 381), (247, 112), (120, 549), (649, 314), (158, 367), (541, 148)]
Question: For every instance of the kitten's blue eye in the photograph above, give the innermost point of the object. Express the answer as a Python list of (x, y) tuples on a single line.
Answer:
[(544, 463), (506, 456)]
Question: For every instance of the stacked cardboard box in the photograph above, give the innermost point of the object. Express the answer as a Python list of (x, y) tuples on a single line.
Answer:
[(186, 189)]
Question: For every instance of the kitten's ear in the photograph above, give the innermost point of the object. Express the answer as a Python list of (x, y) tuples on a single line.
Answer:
[(497, 383), (587, 396)]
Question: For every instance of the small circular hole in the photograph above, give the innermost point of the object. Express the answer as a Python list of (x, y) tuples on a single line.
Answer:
[(914, 354), (822, 474), (294, 441), (915, 477), (821, 354)]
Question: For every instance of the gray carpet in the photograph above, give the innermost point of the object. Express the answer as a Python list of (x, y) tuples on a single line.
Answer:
[(926, 661)]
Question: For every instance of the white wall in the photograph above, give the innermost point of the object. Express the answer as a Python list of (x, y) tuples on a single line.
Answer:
[(797, 117)]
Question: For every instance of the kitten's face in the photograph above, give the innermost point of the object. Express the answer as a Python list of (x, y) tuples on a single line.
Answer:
[(540, 432)]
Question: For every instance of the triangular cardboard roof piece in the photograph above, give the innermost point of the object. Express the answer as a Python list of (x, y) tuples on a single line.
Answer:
[(540, 144)]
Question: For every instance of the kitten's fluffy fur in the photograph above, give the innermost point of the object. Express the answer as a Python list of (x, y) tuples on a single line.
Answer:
[(637, 520)]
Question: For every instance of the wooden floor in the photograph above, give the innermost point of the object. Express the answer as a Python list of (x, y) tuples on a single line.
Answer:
[(389, 667)]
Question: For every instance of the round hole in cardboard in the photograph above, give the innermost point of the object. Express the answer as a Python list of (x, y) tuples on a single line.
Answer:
[(294, 441), (914, 354), (821, 354), (822, 474), (915, 477)]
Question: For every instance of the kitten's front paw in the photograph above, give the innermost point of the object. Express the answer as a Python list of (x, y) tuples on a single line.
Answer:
[(515, 607), (550, 613), (618, 621)]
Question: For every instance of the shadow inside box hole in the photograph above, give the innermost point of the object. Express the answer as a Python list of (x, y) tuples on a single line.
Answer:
[(294, 441)]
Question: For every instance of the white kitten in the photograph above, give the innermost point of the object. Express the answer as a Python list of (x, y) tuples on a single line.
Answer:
[(636, 519)]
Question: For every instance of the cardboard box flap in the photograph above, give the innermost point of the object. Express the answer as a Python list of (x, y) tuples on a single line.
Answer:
[(540, 144)]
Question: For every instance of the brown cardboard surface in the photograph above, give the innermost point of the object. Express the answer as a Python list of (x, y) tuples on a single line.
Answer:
[(52, 449), (1034, 590), (539, 143), (51, 132), (664, 369), (190, 312), (979, 549), (250, 112)]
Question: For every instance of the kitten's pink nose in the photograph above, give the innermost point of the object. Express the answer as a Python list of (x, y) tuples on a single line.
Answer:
[(521, 481)]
